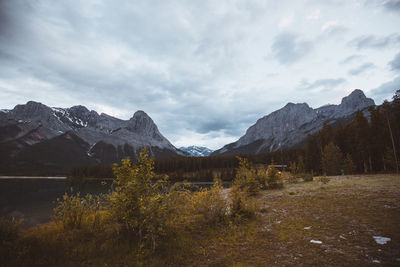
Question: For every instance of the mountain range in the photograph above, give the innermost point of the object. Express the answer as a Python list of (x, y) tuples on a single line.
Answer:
[(35, 138), (289, 126), (197, 151)]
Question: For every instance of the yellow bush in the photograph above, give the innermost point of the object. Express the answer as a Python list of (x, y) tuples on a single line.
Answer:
[(74, 212), (211, 204), (241, 205), (274, 179)]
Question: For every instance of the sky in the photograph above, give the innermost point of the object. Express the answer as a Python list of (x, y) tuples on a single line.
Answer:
[(204, 71)]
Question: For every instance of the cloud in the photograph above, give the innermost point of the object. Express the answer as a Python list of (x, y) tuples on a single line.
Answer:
[(288, 48), (314, 15), (388, 5), (196, 67), (350, 59), (387, 89), (376, 42), (395, 63), (322, 84), (286, 22), (333, 27), (392, 5), (362, 68)]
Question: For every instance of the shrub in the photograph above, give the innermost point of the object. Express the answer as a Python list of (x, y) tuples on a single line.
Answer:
[(75, 211), (139, 204), (242, 173), (211, 204), (248, 178), (261, 178), (274, 179), (9, 228), (241, 206), (9, 240)]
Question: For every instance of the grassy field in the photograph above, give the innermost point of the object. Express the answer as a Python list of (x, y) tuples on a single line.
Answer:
[(343, 214), (303, 224)]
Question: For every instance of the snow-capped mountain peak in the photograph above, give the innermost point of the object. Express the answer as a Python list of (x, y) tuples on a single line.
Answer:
[(197, 151)]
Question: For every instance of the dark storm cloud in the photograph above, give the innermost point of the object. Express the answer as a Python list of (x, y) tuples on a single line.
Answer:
[(377, 42), (395, 63), (322, 84), (392, 5), (288, 48), (362, 68)]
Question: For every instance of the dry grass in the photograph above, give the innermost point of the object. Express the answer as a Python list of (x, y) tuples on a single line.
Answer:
[(344, 214)]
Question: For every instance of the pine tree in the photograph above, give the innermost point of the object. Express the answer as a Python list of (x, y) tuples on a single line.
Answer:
[(331, 159), (361, 133), (348, 165), (313, 154)]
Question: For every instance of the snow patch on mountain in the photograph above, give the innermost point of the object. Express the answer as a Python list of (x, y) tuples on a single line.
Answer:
[(137, 133), (197, 151)]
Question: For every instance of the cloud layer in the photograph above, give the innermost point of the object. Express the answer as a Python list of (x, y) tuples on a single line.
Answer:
[(203, 70)]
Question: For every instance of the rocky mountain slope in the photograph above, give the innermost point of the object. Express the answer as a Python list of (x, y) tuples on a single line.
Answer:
[(197, 151), (33, 133), (289, 126)]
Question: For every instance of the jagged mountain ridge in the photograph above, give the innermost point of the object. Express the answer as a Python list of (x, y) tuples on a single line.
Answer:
[(290, 125), (108, 138), (197, 151)]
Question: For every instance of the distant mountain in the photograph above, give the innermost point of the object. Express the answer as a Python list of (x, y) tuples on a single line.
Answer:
[(36, 135), (197, 151), (289, 126)]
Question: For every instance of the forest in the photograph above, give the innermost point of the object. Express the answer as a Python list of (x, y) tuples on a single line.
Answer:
[(368, 144)]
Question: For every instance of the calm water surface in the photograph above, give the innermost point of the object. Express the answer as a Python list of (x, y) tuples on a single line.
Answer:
[(34, 198)]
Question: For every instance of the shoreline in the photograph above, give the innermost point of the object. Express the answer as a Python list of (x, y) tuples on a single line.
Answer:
[(35, 177)]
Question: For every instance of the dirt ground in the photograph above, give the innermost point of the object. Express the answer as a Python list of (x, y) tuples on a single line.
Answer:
[(315, 224)]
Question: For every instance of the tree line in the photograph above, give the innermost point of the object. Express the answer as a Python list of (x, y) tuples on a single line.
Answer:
[(366, 145), (370, 143)]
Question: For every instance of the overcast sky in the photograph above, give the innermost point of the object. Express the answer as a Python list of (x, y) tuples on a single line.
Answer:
[(203, 70)]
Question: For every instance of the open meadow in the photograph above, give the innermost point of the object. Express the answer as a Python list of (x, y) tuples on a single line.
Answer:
[(312, 223), (331, 221)]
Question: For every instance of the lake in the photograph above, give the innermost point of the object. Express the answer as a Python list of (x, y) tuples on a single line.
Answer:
[(34, 198)]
